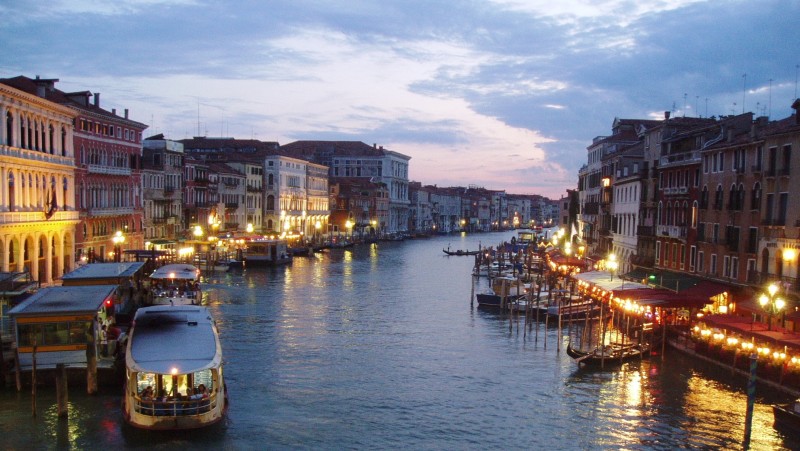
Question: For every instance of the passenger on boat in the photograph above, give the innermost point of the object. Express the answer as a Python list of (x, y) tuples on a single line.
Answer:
[(147, 400)]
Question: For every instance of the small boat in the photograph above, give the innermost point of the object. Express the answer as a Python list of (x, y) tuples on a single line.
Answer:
[(787, 415), (607, 355), (173, 369), (579, 309), (175, 284), (459, 252)]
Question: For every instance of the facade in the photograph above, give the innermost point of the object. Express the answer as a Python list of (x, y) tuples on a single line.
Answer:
[(357, 159), (228, 215), (296, 196), (37, 184), (627, 189), (162, 183)]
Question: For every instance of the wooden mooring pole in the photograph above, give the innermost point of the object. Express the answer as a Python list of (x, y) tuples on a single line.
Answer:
[(61, 390)]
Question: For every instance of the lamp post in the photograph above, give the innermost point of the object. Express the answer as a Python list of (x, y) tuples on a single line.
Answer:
[(612, 264), (771, 302), (118, 239), (317, 226), (349, 226)]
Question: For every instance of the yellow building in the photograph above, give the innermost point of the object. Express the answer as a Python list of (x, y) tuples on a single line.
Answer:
[(37, 185)]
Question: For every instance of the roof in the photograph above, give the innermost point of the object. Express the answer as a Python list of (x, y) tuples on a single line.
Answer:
[(305, 149), (167, 337), (176, 271), (39, 86), (104, 271), (54, 301)]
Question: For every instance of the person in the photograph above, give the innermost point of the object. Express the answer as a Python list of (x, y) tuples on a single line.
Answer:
[(103, 341)]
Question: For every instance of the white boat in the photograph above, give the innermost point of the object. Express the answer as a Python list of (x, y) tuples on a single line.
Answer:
[(173, 369), (175, 284)]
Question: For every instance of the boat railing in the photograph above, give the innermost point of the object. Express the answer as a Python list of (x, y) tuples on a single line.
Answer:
[(176, 407)]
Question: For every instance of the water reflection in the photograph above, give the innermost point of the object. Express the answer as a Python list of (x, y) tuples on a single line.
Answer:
[(380, 347)]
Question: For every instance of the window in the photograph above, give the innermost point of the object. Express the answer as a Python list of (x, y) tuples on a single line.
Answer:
[(713, 267), (700, 261)]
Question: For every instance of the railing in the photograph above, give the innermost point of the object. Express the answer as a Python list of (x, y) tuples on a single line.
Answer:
[(111, 211), (680, 158), (33, 216), (756, 168), (672, 231), (174, 408), (35, 155), (231, 204), (108, 170)]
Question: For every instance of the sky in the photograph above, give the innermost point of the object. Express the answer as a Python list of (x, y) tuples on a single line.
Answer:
[(502, 94)]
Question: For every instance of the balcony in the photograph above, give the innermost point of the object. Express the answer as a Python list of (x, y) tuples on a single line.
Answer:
[(756, 168), (672, 231), (111, 211), (12, 217), (255, 189), (231, 225), (108, 170), (232, 205)]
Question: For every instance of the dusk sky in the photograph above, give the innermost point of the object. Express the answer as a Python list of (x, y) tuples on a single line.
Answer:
[(504, 94)]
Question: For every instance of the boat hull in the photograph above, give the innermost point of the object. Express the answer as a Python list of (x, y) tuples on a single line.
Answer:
[(786, 416)]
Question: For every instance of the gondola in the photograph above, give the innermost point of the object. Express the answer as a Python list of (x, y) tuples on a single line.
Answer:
[(612, 354), (459, 252)]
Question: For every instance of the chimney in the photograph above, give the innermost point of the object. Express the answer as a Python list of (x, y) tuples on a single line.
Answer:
[(97, 100), (796, 107), (666, 115), (374, 145), (114, 111), (126, 113)]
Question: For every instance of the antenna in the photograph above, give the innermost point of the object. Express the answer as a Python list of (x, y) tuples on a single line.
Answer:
[(796, 68), (744, 90), (684, 104), (770, 98), (696, 110), (706, 106), (198, 116)]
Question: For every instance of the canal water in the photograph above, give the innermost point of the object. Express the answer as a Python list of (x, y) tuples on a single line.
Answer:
[(381, 347)]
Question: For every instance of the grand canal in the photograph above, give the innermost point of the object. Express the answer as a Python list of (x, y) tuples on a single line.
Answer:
[(379, 347)]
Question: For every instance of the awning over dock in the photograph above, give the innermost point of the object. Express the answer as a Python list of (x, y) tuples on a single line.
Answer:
[(59, 323), (102, 273)]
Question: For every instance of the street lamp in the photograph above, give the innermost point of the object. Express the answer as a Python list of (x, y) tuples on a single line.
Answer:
[(771, 302), (317, 226), (349, 226), (118, 239), (612, 264)]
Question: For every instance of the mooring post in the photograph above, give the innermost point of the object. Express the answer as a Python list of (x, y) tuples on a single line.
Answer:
[(33, 381), (91, 362), (61, 390)]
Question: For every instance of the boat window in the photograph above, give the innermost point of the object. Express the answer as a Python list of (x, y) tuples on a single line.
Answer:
[(144, 380), (204, 377)]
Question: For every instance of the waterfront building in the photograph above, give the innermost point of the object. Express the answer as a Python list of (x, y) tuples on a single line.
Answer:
[(37, 183), (228, 216), (420, 216), (728, 220), (246, 156), (357, 159), (594, 184), (446, 209), (296, 195), (108, 151), (162, 180), (779, 242), (627, 188), (519, 210), (200, 197), (360, 207)]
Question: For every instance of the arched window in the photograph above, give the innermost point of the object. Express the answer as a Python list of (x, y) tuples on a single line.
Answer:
[(669, 213), (9, 128), (718, 198), (704, 197), (740, 197), (732, 196)]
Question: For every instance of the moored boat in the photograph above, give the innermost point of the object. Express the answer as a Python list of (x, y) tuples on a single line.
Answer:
[(787, 415), (607, 355), (173, 369), (175, 284)]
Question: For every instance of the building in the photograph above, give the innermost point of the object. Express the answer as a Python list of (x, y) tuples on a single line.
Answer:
[(37, 183), (162, 185), (357, 159)]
